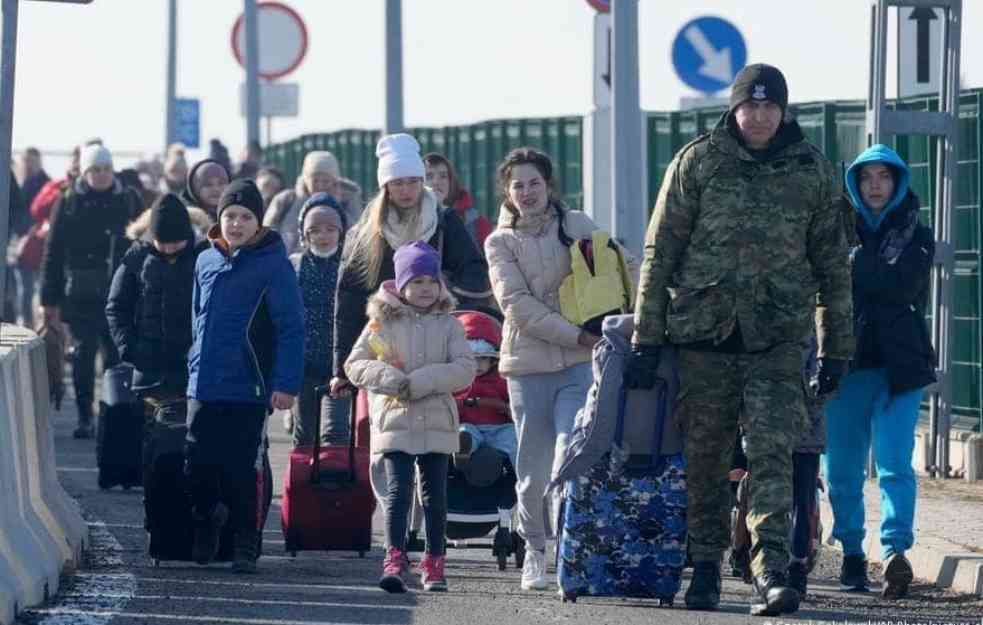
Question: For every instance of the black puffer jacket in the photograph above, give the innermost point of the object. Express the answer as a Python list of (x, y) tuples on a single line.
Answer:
[(149, 314), (86, 242), (889, 302), (465, 271)]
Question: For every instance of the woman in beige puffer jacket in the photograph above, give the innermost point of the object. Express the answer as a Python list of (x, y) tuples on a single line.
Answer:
[(544, 357)]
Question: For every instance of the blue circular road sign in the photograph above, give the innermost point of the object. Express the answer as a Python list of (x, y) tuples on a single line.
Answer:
[(707, 54)]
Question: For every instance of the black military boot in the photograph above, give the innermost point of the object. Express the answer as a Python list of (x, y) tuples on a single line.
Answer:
[(208, 530), (853, 574), (245, 551), (773, 595), (704, 589), (798, 577)]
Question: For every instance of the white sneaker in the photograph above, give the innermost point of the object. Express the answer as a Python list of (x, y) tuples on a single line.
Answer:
[(534, 571)]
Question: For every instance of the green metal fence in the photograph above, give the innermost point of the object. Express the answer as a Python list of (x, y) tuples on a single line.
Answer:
[(836, 127), (475, 151)]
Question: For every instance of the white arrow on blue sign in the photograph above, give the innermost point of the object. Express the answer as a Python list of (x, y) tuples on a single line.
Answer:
[(707, 54)]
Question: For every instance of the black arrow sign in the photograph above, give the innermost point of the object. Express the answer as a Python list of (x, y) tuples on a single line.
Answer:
[(606, 76), (922, 17)]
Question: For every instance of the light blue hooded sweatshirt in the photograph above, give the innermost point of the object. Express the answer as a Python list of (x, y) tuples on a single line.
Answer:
[(879, 153)]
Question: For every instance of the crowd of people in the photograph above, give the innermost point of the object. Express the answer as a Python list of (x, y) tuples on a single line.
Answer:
[(244, 295)]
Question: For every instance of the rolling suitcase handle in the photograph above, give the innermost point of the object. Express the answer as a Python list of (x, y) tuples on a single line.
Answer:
[(320, 392)]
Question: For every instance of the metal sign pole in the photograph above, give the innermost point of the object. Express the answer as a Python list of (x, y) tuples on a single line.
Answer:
[(394, 67), (171, 73), (7, 66), (627, 204), (252, 72)]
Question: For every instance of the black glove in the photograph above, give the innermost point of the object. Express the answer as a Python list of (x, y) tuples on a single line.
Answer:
[(827, 377), (640, 372)]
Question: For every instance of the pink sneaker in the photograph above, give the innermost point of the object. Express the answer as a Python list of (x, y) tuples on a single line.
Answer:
[(393, 566), (432, 573)]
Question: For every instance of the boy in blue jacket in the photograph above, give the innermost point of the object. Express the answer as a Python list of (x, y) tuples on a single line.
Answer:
[(246, 358)]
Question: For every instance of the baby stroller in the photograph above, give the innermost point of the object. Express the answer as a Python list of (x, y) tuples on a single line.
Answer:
[(481, 498)]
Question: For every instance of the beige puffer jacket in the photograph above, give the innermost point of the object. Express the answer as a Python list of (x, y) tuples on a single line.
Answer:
[(526, 270), (431, 352)]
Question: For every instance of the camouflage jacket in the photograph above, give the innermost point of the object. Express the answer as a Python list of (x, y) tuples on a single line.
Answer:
[(759, 243)]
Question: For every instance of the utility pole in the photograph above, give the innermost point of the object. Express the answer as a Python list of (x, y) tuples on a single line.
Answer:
[(394, 67), (252, 72), (171, 73), (7, 65), (628, 208)]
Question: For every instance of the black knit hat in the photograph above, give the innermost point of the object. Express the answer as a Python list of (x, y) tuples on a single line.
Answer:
[(242, 193), (169, 220), (759, 82)]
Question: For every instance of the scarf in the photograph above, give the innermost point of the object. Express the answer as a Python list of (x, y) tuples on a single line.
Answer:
[(422, 227), (536, 222), (897, 238)]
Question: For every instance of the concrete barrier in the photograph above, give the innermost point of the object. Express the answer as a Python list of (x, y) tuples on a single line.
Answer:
[(41, 531)]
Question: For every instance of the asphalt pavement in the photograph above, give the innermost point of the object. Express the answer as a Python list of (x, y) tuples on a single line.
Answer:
[(120, 586)]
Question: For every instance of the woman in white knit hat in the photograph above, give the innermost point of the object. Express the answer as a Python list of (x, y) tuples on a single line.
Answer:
[(403, 211), (321, 173)]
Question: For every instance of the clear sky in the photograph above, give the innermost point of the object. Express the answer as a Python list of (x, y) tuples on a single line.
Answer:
[(99, 70)]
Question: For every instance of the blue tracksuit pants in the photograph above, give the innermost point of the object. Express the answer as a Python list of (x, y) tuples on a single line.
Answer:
[(861, 414)]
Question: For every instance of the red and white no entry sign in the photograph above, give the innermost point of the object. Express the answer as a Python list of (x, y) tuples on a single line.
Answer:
[(282, 39), (601, 6)]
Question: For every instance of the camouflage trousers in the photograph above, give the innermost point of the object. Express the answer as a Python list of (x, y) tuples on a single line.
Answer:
[(763, 393)]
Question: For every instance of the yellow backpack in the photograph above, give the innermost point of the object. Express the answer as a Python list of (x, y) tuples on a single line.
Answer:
[(589, 293)]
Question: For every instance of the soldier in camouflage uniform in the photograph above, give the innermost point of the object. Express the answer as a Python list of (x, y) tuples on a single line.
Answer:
[(745, 256)]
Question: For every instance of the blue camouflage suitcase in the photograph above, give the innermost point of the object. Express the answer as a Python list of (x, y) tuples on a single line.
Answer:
[(623, 523)]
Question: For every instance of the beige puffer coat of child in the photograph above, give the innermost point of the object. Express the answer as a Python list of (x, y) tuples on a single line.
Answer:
[(427, 349)]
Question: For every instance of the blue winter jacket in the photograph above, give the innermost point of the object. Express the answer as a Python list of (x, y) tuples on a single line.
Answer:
[(247, 323)]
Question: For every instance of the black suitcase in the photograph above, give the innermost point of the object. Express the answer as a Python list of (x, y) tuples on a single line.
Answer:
[(119, 431), (166, 495)]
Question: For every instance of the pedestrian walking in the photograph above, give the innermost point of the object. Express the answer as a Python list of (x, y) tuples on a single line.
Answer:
[(411, 357), (443, 181), (270, 183), (149, 305), (878, 401), (544, 358), (321, 173), (31, 174), (745, 257), (403, 211), (175, 170), (206, 181), (246, 357), (83, 248), (322, 224)]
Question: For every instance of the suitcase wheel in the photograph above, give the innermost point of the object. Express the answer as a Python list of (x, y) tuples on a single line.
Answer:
[(568, 595), (665, 602)]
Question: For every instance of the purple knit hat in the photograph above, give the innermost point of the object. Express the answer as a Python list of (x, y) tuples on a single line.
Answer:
[(415, 259)]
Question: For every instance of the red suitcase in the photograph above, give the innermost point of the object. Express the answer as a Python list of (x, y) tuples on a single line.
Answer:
[(327, 500)]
